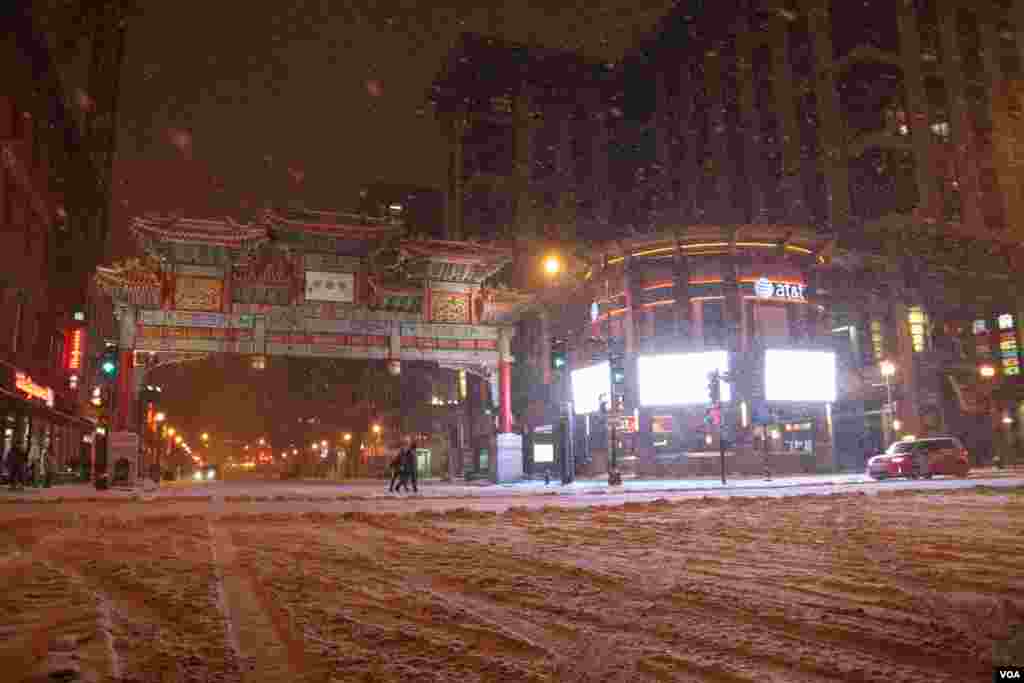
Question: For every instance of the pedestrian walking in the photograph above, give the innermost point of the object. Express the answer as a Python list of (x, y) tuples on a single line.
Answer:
[(396, 471), (409, 466), (16, 462), (31, 479)]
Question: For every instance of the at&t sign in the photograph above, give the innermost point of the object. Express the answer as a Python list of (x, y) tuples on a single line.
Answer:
[(766, 289)]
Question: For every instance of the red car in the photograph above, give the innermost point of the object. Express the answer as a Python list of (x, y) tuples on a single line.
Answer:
[(939, 455)]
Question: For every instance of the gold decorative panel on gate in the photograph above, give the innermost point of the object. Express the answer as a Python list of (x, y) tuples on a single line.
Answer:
[(449, 308), (198, 294)]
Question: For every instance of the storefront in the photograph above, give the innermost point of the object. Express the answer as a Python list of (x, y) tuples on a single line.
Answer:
[(38, 420)]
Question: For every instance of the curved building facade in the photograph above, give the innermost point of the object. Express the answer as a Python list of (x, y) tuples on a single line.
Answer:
[(676, 307)]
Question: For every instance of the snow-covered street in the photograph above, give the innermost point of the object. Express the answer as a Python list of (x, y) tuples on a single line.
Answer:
[(898, 586)]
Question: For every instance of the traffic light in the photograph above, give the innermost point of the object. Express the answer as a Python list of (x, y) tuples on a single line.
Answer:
[(715, 387), (559, 353), (109, 363), (617, 372)]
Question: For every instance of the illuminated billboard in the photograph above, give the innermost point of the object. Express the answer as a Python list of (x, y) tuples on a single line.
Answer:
[(680, 378), (588, 384), (800, 375)]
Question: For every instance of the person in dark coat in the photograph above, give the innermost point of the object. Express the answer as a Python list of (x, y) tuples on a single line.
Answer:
[(409, 466), (396, 472), (16, 462)]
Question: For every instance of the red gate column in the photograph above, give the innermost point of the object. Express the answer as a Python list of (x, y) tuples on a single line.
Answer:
[(505, 381), (125, 391), (126, 372)]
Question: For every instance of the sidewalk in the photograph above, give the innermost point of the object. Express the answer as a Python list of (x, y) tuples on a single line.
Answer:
[(377, 489)]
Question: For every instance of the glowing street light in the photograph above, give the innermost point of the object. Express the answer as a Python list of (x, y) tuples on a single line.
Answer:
[(160, 417), (263, 441), (204, 436), (987, 371), (170, 431), (177, 440), (347, 437), (376, 429), (323, 443), (552, 265)]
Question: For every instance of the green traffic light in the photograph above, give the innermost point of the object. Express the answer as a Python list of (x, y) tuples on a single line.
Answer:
[(109, 367)]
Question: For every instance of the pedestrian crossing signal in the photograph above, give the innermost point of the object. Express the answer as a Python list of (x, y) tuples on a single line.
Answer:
[(715, 387), (109, 364), (559, 354)]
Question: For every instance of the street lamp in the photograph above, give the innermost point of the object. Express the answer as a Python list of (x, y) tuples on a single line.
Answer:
[(987, 371), (204, 436), (160, 417), (552, 265), (376, 429), (888, 370)]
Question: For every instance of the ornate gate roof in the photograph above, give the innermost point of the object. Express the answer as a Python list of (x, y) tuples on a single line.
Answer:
[(468, 262)]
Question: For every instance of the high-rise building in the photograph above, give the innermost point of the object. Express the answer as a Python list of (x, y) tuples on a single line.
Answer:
[(865, 152), (420, 209), (527, 135)]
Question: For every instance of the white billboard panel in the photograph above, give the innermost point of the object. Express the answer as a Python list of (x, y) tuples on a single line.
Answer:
[(587, 386), (791, 375), (336, 287), (680, 378)]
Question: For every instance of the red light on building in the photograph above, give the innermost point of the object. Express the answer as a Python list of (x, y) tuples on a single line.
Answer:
[(76, 349)]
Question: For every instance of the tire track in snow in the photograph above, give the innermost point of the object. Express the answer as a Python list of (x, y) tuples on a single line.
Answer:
[(269, 648)]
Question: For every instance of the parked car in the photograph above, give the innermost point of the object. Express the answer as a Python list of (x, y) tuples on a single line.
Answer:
[(939, 455)]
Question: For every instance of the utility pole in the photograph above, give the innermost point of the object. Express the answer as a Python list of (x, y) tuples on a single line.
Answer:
[(715, 394)]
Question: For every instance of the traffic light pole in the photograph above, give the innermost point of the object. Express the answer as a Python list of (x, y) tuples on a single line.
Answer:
[(721, 446), (715, 394)]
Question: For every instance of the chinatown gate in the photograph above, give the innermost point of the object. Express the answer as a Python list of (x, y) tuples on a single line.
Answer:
[(313, 284)]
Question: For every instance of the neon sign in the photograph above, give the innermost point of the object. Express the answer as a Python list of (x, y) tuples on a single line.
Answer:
[(75, 349), (766, 289), (24, 383), (1008, 350)]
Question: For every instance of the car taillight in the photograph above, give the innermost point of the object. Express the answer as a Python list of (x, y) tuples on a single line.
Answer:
[(899, 459), (964, 454)]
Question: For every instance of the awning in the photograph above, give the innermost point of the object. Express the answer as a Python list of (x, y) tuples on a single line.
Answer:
[(47, 412)]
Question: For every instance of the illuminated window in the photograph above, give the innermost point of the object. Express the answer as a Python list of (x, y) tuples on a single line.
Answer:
[(980, 327), (918, 328), (877, 340), (1006, 321)]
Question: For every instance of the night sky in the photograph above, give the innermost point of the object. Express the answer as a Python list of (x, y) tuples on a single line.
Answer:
[(322, 97), (304, 100)]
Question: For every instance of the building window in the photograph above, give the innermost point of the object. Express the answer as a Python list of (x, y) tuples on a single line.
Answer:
[(664, 321), (918, 328), (714, 323), (877, 340)]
